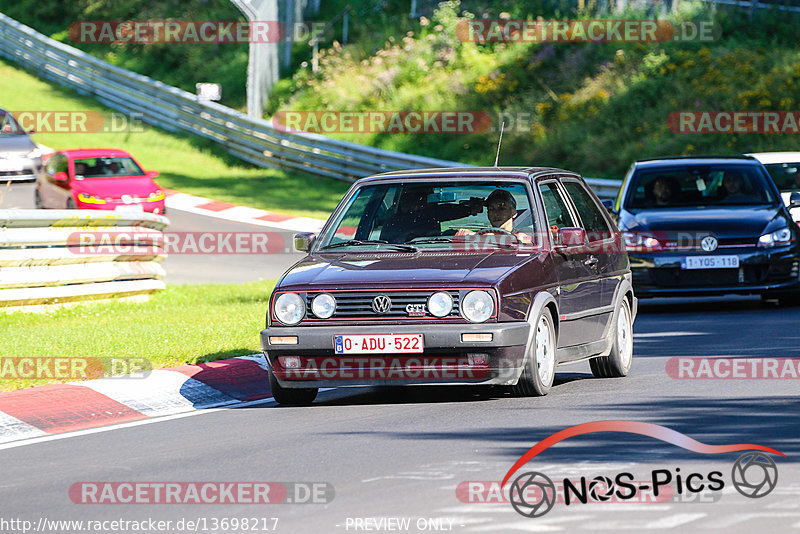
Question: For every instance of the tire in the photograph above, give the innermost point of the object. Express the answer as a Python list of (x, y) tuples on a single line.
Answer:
[(70, 204), (290, 396), (37, 200), (540, 365), (618, 363)]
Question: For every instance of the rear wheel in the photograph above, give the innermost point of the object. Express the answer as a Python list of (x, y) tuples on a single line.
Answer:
[(70, 204), (291, 396), (37, 199), (540, 365), (619, 361)]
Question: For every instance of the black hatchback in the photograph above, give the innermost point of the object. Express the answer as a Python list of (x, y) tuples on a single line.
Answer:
[(708, 225)]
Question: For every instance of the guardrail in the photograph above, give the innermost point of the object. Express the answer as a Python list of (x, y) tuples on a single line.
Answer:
[(253, 140), (44, 261)]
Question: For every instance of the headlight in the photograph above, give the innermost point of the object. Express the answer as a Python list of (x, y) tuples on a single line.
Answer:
[(636, 242), (155, 196), (477, 306), (440, 304), (323, 305), (90, 199), (35, 153), (776, 238), (289, 308)]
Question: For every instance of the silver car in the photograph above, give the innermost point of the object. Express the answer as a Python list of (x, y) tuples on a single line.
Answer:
[(20, 158)]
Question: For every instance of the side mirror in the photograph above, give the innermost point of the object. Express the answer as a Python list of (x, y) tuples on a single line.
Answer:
[(571, 237), (60, 177), (794, 200), (152, 174), (303, 242), (608, 204)]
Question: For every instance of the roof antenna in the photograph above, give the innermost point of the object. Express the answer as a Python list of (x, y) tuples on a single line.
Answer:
[(497, 157)]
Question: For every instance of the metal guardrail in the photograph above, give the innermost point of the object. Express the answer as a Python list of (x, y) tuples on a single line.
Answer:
[(253, 140), (42, 260)]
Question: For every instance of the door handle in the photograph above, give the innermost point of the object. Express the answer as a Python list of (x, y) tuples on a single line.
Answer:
[(591, 261)]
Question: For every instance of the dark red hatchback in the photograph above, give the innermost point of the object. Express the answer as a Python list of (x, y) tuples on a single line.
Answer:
[(453, 276)]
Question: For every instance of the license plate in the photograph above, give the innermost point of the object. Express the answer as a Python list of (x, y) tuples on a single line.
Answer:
[(137, 208), (377, 344), (710, 262), (11, 165)]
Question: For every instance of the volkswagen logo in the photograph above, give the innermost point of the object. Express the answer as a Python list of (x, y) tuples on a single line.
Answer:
[(709, 243), (381, 304), (754, 475), (127, 199), (532, 494)]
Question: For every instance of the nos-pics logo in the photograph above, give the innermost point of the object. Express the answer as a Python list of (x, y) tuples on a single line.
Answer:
[(533, 494)]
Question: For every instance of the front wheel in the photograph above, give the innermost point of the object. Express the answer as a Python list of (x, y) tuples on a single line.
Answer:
[(37, 200), (70, 204), (291, 396), (619, 361), (540, 365)]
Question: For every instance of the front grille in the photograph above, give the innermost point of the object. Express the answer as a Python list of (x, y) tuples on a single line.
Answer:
[(23, 172), (358, 304), (746, 275)]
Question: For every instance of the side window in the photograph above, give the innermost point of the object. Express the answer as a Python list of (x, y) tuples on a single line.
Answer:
[(558, 215), (593, 221)]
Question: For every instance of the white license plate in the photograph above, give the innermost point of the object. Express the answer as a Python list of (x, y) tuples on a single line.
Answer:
[(11, 165), (377, 344), (136, 208), (710, 262)]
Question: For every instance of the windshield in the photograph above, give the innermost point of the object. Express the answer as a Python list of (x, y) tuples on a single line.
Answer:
[(106, 167), (706, 185), (9, 125), (432, 215), (786, 175)]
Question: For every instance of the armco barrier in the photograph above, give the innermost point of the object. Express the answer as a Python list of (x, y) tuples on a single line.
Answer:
[(41, 261), (253, 140)]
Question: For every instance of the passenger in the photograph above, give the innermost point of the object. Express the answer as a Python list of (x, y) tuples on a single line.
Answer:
[(416, 217)]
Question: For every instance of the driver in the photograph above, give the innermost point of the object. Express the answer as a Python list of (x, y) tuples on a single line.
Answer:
[(501, 209)]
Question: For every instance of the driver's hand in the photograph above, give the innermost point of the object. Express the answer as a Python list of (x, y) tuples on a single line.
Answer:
[(463, 231)]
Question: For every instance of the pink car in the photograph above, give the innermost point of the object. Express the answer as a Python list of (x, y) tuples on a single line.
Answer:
[(100, 179)]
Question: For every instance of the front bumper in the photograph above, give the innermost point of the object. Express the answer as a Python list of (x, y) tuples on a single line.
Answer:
[(446, 359), (24, 169), (760, 270), (157, 207)]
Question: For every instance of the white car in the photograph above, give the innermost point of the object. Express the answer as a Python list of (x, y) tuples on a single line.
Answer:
[(784, 167)]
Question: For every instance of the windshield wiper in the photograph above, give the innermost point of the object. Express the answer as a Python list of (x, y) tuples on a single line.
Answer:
[(351, 242), (426, 240)]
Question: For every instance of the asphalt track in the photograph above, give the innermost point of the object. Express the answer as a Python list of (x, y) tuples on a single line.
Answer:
[(392, 455)]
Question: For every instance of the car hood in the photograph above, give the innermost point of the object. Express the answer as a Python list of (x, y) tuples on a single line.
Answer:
[(400, 270), (16, 144), (115, 187), (724, 222)]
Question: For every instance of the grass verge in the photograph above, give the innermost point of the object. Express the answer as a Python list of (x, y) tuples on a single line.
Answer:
[(188, 164), (180, 325)]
